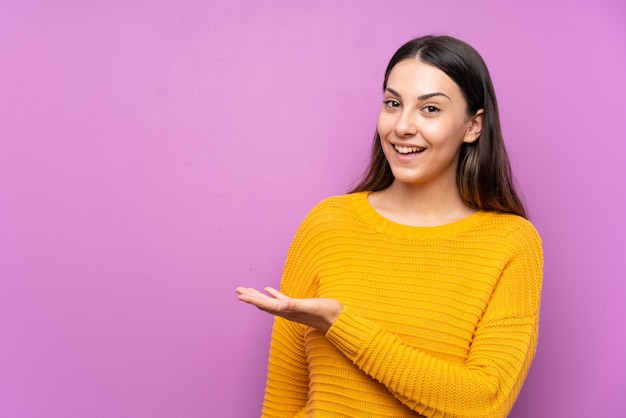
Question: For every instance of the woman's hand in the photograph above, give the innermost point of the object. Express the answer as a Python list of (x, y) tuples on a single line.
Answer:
[(318, 313)]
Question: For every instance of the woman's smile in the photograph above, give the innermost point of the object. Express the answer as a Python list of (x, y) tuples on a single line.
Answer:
[(407, 150)]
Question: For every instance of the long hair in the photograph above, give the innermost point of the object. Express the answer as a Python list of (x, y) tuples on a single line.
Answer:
[(483, 172)]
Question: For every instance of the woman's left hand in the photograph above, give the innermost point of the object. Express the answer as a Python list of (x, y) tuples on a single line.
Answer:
[(318, 313)]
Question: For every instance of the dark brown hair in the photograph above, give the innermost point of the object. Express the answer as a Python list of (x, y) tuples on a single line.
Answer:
[(483, 173)]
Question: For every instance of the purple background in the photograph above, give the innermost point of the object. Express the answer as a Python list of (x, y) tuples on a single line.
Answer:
[(155, 154)]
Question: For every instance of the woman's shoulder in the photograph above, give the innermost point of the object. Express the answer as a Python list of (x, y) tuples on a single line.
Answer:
[(338, 202), (334, 208), (327, 217), (509, 220), (511, 227)]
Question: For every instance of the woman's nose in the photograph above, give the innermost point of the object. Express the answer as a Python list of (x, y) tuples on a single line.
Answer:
[(406, 125)]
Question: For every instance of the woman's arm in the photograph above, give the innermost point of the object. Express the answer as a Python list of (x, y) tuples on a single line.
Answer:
[(286, 390)]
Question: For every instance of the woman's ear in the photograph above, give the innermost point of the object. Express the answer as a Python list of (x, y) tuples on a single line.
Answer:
[(475, 127)]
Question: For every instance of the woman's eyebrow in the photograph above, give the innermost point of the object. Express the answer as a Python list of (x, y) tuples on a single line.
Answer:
[(422, 97), (429, 95), (392, 91)]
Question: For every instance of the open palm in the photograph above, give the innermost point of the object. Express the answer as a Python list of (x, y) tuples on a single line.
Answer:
[(319, 313)]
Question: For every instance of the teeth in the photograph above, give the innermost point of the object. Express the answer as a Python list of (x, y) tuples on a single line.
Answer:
[(408, 150)]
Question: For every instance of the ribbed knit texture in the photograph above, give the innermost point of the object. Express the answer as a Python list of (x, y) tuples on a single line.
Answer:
[(437, 321)]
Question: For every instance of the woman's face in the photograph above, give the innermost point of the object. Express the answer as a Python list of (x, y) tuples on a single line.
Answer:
[(422, 124)]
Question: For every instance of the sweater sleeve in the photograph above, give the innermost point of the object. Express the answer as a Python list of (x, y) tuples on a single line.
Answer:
[(286, 390), (287, 385), (488, 382)]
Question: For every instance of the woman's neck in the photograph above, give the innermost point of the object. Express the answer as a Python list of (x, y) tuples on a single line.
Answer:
[(418, 205)]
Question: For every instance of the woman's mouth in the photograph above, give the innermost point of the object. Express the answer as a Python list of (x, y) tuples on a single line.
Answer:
[(400, 149)]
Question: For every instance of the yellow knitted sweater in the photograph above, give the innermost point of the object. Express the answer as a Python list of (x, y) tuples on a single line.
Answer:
[(437, 321)]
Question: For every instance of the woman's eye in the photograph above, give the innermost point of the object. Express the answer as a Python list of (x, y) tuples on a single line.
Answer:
[(392, 103), (431, 109)]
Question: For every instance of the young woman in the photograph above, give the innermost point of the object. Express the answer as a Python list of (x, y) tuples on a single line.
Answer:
[(418, 293)]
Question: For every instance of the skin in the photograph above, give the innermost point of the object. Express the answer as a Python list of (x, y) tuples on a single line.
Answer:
[(422, 107)]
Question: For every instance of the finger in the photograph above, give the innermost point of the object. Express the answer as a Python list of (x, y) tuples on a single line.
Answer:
[(255, 300), (257, 293), (241, 290), (250, 292), (274, 292)]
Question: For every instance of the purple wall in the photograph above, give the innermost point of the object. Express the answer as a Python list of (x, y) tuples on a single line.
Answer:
[(154, 155)]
